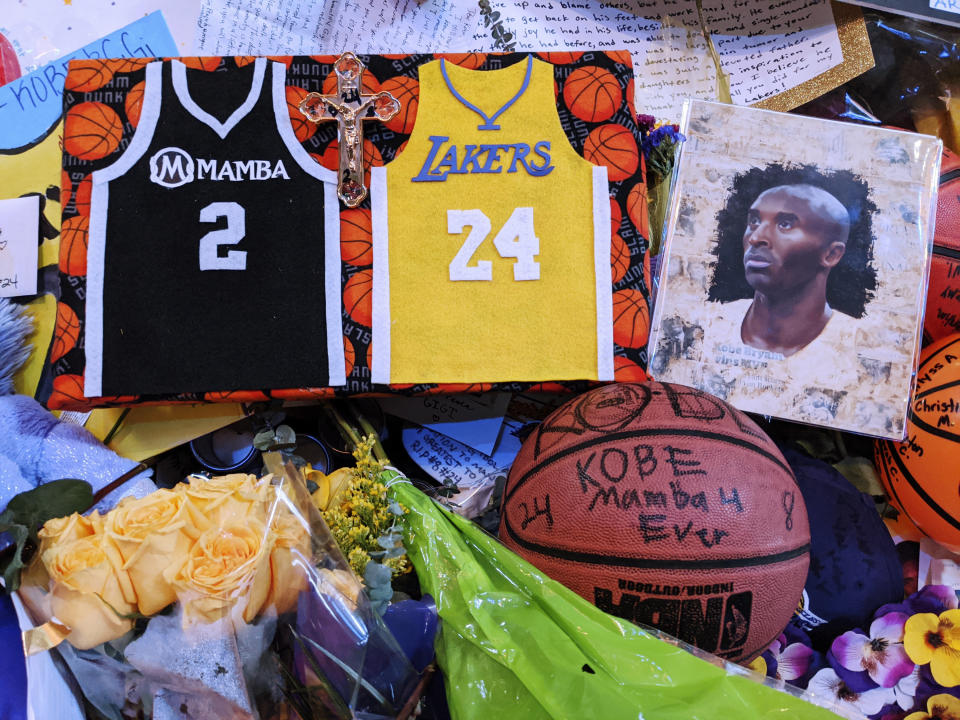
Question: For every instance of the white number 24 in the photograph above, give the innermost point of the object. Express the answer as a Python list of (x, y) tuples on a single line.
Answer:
[(210, 258), (516, 239)]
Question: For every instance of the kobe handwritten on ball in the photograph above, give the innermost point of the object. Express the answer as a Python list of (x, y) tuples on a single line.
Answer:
[(665, 506)]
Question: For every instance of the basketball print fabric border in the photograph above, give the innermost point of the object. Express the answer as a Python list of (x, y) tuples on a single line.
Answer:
[(593, 93)]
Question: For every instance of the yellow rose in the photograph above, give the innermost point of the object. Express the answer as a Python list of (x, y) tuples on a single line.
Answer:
[(290, 558), (228, 497), (227, 566), (87, 590), (152, 533)]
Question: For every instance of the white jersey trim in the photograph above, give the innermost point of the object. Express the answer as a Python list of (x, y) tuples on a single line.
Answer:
[(289, 137), (380, 356), (335, 359), (331, 220), (601, 263), (97, 230), (180, 87)]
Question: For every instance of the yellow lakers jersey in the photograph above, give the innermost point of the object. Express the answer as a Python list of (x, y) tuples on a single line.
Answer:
[(491, 238)]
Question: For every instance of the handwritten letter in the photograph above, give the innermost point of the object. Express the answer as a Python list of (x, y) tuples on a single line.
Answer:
[(764, 49), (303, 27), (19, 242)]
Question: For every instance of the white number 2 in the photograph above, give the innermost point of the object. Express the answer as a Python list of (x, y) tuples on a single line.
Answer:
[(516, 239), (210, 258)]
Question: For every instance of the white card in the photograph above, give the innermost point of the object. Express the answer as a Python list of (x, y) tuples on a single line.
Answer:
[(19, 246)]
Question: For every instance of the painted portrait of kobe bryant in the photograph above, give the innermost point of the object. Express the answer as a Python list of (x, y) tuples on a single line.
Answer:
[(793, 268)]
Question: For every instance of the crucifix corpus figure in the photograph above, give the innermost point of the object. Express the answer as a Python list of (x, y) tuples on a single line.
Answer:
[(350, 108)]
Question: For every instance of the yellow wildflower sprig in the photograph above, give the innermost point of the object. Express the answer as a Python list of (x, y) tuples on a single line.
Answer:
[(364, 522)]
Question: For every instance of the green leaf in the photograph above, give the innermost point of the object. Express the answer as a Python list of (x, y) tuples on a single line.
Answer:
[(29, 510), (263, 440), (11, 573), (286, 435), (54, 499), (861, 474)]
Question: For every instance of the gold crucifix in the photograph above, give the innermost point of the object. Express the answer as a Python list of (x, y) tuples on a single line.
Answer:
[(350, 108)]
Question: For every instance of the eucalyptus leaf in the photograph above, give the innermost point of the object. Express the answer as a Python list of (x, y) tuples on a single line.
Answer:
[(861, 474), (285, 435), (263, 440)]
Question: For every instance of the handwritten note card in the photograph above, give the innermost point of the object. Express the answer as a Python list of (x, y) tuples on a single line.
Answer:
[(19, 234), (474, 420), (31, 105), (304, 27), (764, 49)]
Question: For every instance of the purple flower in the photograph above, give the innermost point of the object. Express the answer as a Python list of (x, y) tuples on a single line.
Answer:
[(930, 599), (828, 685), (792, 662), (881, 654), (646, 123), (905, 691)]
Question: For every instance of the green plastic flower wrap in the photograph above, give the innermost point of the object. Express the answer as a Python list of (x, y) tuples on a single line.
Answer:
[(514, 643)]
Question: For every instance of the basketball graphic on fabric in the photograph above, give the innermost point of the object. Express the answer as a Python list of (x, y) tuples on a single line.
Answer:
[(616, 215), (67, 392), (920, 474), (664, 506), (470, 61), (91, 130), (66, 332), (356, 244), (73, 245), (357, 297), (66, 188), (626, 370), (207, 64), (134, 103), (126, 65), (592, 93), (244, 60), (560, 58), (407, 91), (631, 318), (614, 146), (302, 128), (349, 355), (619, 258), (88, 75), (637, 208), (942, 317), (82, 197)]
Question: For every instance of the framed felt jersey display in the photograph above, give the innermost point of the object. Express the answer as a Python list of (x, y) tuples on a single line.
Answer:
[(484, 227)]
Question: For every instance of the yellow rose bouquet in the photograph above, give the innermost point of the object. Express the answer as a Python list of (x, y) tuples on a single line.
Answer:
[(223, 597)]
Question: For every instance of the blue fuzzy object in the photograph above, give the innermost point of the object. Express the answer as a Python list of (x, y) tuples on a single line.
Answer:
[(15, 326)]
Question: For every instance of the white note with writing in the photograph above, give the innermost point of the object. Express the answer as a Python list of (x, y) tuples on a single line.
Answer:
[(764, 49), (301, 27), (474, 420), (19, 246)]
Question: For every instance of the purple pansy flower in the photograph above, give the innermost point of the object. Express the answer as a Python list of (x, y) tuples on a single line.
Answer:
[(790, 661), (930, 599), (828, 685), (881, 654)]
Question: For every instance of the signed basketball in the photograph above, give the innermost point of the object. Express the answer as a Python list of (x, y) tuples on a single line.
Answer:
[(665, 506), (920, 474)]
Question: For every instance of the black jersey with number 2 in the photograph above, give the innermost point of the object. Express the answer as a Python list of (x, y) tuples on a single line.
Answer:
[(214, 255)]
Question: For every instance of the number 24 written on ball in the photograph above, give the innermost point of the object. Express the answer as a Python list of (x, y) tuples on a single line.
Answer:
[(516, 239)]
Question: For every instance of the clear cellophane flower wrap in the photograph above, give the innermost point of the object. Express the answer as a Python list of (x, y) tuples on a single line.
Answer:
[(223, 597)]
